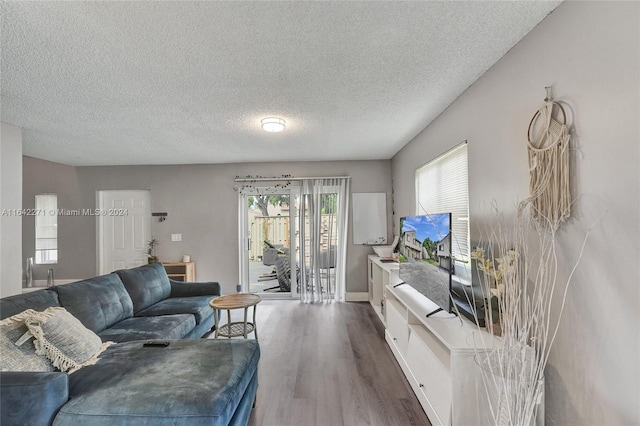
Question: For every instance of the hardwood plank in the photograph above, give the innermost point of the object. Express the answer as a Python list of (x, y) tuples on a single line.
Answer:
[(328, 365)]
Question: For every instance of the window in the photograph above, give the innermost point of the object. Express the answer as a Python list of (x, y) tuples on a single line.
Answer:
[(442, 186), (47, 229)]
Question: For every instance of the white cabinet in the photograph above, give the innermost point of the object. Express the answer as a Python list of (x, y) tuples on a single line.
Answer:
[(431, 370), (380, 274), (397, 326), (435, 354)]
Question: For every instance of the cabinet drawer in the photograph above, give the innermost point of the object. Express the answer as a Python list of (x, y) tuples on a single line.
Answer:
[(398, 328), (432, 376)]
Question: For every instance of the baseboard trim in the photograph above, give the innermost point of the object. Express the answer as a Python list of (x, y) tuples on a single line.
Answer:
[(357, 297)]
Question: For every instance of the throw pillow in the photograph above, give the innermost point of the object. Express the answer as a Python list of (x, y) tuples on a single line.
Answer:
[(64, 340), (22, 357)]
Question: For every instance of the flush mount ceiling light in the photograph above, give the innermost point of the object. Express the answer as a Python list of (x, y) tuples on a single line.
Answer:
[(272, 124)]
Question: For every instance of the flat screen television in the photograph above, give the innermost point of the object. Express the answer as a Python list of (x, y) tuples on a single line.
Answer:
[(425, 257)]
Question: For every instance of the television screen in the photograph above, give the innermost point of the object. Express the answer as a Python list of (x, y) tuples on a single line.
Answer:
[(425, 256)]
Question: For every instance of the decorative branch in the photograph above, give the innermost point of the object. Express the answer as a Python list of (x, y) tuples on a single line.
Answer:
[(517, 264), (252, 180)]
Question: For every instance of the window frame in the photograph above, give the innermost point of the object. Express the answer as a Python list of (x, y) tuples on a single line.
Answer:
[(46, 229)]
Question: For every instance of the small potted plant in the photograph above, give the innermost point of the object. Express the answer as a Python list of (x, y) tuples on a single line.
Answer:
[(151, 250)]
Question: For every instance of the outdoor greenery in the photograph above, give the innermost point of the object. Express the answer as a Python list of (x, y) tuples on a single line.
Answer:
[(329, 203), (261, 202), (430, 246)]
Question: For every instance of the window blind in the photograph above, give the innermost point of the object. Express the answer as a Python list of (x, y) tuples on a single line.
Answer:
[(442, 186)]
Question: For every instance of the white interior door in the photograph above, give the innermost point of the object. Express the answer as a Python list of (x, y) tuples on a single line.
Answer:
[(124, 227)]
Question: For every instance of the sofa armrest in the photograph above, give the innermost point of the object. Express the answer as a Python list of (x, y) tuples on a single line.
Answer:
[(186, 289), (30, 398)]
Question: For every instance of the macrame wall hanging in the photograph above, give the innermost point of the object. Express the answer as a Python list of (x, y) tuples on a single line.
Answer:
[(548, 148)]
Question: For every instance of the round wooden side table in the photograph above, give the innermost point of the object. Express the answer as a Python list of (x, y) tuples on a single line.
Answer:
[(235, 301)]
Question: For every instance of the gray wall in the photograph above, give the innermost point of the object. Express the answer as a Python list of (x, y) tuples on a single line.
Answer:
[(10, 198), (589, 52), (201, 203), (46, 177)]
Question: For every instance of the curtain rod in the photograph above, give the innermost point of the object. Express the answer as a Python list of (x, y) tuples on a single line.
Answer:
[(259, 179)]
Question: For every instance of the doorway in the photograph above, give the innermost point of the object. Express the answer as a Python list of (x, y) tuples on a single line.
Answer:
[(124, 227), (268, 242)]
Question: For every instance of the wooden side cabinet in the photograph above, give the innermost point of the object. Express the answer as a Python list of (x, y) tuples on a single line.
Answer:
[(181, 271)]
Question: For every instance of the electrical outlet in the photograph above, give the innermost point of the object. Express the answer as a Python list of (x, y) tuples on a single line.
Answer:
[(176, 237)]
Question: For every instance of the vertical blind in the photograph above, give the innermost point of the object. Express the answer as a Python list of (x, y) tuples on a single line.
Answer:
[(442, 186)]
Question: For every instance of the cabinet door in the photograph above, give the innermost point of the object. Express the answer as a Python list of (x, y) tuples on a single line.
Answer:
[(398, 328), (432, 376), (376, 283)]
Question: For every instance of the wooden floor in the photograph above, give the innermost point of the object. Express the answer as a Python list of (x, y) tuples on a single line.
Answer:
[(328, 365)]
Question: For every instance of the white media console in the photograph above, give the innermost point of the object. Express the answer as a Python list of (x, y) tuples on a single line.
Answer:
[(436, 354), (380, 275)]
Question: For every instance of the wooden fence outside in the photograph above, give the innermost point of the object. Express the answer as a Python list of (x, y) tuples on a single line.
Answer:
[(275, 229)]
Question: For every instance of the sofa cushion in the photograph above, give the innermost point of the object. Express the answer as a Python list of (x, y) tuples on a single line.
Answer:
[(186, 383), (97, 302), (23, 357), (190, 289), (63, 339), (32, 398), (198, 306), (38, 300), (146, 285), (159, 327)]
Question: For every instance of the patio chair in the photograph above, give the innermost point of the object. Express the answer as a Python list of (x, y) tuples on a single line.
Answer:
[(283, 272)]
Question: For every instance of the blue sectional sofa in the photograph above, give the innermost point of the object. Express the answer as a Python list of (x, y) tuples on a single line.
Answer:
[(192, 381)]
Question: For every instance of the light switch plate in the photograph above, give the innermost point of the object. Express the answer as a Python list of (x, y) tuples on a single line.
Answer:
[(176, 237)]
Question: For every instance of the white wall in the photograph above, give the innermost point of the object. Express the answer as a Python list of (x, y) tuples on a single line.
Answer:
[(10, 198), (589, 53)]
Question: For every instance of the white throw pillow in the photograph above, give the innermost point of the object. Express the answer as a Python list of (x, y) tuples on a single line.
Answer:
[(22, 356), (63, 339)]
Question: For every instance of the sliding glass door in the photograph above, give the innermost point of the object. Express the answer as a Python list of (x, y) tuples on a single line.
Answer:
[(292, 239), (268, 241)]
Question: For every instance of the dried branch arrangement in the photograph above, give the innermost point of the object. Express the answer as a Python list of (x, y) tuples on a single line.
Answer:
[(517, 263)]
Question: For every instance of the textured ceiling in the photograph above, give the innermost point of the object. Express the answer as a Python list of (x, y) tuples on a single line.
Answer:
[(105, 83)]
